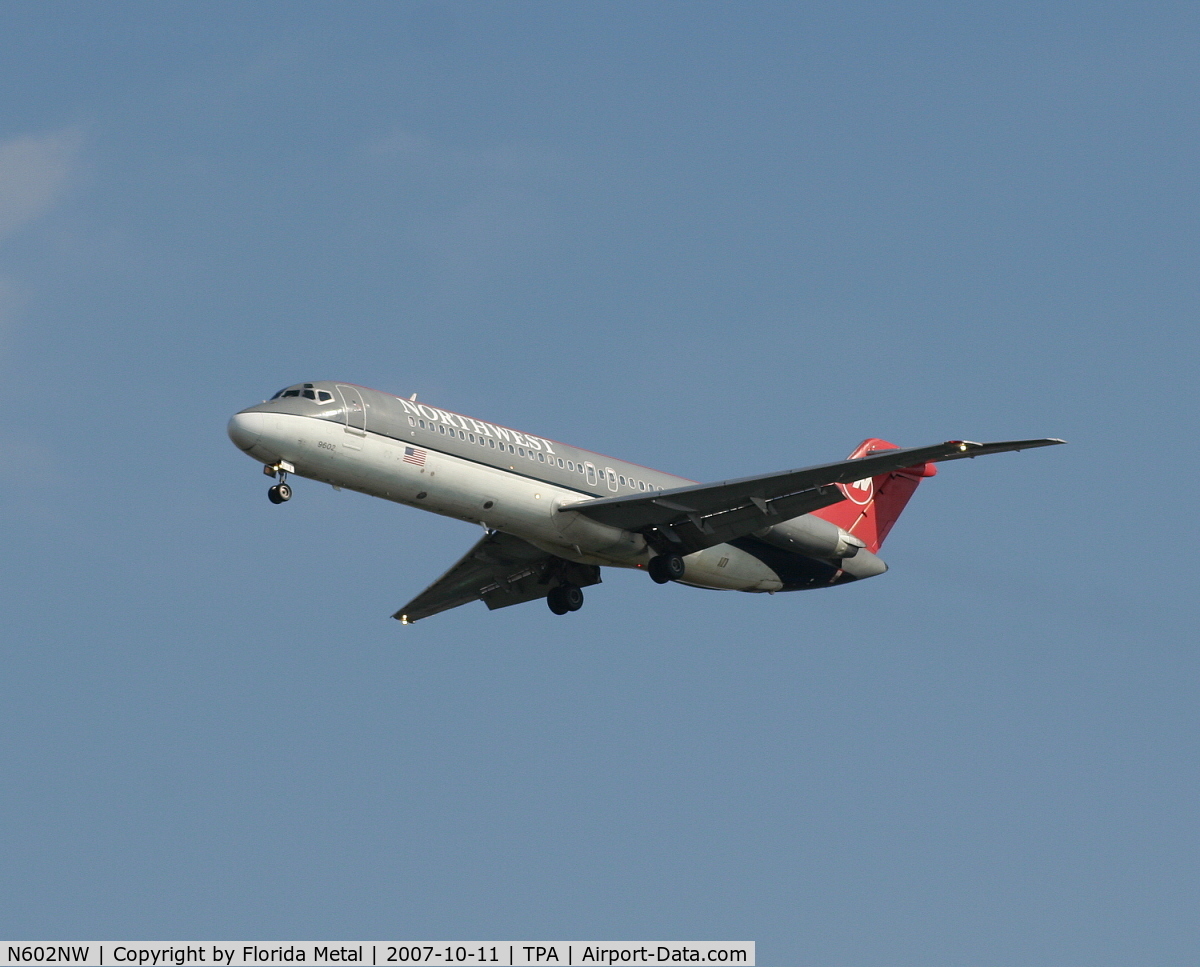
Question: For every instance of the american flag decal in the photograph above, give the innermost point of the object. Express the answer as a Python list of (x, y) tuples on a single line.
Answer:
[(414, 456)]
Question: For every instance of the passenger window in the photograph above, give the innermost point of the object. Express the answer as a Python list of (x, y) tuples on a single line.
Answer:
[(462, 435), (641, 485), (472, 436), (441, 429), (492, 444), (411, 421), (560, 461), (542, 458), (521, 451), (422, 424), (622, 480)]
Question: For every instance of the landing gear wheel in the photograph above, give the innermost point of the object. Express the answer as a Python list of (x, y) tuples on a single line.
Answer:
[(572, 596), (665, 567), (655, 568), (564, 598), (279, 493), (555, 602)]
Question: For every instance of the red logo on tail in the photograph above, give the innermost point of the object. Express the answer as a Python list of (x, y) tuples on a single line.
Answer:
[(873, 504)]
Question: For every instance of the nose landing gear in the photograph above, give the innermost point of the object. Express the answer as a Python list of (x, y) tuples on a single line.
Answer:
[(564, 598), (281, 492)]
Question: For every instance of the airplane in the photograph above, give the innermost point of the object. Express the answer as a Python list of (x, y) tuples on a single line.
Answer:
[(553, 515)]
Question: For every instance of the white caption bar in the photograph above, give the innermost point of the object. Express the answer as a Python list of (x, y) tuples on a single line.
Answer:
[(375, 953)]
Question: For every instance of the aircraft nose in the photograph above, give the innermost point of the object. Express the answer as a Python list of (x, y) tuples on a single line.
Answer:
[(245, 429)]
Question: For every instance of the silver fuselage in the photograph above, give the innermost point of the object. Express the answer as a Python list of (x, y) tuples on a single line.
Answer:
[(426, 457)]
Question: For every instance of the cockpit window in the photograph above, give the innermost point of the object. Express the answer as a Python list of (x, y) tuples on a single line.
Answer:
[(308, 392)]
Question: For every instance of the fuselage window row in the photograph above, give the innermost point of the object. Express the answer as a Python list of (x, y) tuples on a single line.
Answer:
[(569, 465)]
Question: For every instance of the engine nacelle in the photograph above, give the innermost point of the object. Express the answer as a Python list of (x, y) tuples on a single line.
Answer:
[(590, 536), (813, 537)]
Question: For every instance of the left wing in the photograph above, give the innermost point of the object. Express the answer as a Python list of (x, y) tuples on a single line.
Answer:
[(689, 519), (500, 570)]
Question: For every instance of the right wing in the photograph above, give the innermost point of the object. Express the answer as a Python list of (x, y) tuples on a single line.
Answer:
[(500, 570), (689, 519)]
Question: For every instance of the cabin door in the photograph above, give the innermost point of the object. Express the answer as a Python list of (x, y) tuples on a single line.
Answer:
[(355, 413)]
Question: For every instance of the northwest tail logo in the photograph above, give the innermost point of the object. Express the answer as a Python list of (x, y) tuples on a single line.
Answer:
[(861, 491), (873, 504)]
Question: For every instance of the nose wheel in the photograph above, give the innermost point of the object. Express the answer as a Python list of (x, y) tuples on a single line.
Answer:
[(665, 567), (564, 598), (280, 492)]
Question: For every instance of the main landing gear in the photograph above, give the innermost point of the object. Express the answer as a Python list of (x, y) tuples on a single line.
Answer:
[(665, 567), (564, 597)]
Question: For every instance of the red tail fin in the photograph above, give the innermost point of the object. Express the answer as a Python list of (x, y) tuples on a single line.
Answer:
[(873, 504)]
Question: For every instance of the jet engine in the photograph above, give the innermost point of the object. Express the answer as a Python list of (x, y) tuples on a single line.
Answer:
[(813, 537), (591, 535)]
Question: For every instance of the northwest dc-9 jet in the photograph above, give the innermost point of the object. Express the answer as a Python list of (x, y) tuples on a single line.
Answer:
[(553, 514)]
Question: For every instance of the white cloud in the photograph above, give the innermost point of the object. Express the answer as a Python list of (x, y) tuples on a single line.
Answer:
[(34, 173)]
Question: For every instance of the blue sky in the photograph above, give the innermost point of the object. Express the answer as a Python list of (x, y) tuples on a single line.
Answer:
[(716, 239)]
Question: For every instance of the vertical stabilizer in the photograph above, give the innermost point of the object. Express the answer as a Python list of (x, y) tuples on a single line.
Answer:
[(873, 504)]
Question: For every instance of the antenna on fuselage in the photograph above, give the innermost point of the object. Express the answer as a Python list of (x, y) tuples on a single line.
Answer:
[(413, 398)]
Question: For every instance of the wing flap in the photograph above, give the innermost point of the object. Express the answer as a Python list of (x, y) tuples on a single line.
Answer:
[(501, 570), (495, 559)]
